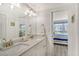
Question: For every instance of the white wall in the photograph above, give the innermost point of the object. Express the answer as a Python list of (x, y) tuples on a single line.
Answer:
[(60, 15), (43, 18), (73, 31)]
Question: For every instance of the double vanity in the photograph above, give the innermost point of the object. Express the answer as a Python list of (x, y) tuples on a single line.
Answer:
[(32, 47)]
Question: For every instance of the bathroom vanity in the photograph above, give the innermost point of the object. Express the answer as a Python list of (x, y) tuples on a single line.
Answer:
[(32, 47)]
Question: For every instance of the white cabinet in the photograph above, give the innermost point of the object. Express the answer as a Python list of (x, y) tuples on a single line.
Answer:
[(37, 50)]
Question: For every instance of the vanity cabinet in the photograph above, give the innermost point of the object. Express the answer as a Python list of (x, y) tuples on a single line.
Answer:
[(38, 50)]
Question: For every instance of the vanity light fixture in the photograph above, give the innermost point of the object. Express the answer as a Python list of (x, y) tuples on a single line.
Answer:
[(30, 10), (32, 13), (27, 12)]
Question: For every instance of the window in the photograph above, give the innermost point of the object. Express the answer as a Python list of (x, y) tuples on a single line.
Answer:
[(22, 30), (60, 27)]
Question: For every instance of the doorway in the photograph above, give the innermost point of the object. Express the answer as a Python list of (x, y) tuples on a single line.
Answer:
[(60, 32)]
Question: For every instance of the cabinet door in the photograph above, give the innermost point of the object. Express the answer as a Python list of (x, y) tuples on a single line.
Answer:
[(38, 50)]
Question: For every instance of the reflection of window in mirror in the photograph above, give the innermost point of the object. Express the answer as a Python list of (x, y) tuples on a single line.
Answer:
[(22, 30)]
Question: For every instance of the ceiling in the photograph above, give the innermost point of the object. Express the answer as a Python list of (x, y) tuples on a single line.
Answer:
[(48, 6), (38, 7)]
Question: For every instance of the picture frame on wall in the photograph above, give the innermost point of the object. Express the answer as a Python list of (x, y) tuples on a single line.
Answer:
[(12, 24)]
